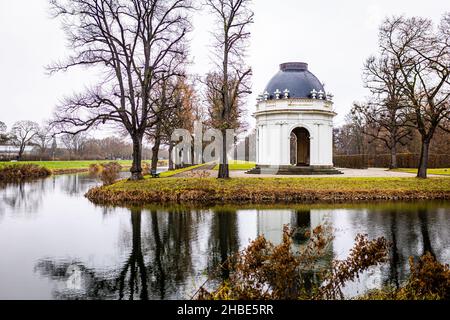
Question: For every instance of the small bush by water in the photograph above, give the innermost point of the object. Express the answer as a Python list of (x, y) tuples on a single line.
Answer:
[(108, 173), (264, 271), (20, 172), (428, 280)]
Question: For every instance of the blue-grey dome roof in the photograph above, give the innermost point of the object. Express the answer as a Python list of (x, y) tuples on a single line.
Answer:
[(295, 77)]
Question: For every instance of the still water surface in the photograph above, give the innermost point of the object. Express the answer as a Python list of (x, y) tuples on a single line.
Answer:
[(55, 244)]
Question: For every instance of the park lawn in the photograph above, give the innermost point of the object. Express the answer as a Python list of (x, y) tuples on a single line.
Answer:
[(56, 166), (235, 165), (440, 171), (269, 190)]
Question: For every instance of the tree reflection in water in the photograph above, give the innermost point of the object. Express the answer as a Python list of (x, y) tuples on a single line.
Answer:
[(23, 196), (166, 250), (407, 227), (223, 241), (135, 266), (160, 260)]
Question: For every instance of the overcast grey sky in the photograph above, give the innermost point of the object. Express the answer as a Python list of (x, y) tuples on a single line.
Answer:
[(333, 37)]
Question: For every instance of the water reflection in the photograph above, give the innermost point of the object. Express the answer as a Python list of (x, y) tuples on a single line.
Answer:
[(72, 249), (23, 197), (223, 240)]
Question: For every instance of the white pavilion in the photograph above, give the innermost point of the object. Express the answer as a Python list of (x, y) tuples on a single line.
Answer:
[(294, 124)]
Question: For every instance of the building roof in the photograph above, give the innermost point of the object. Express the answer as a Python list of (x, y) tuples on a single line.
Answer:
[(295, 77)]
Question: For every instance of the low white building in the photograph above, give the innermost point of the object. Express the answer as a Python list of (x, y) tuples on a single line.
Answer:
[(294, 123)]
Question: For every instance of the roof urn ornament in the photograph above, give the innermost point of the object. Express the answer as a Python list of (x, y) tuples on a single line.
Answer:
[(321, 94), (277, 94)]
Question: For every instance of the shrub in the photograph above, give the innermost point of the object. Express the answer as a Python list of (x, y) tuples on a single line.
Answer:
[(357, 161), (428, 279), (20, 172), (110, 173), (146, 168), (263, 271), (364, 255), (95, 169), (404, 160)]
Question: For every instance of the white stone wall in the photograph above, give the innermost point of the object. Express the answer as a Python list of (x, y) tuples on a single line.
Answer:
[(275, 120)]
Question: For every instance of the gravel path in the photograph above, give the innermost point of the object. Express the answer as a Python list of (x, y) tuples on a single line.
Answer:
[(349, 173), (207, 167)]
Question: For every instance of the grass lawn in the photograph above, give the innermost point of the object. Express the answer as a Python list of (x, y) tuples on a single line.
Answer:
[(440, 171), (269, 190), (239, 165), (64, 165)]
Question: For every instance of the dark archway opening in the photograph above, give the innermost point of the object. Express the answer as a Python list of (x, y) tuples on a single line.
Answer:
[(300, 147)]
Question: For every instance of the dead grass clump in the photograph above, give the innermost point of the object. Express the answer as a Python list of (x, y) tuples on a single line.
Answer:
[(19, 172), (146, 168), (110, 173), (95, 169)]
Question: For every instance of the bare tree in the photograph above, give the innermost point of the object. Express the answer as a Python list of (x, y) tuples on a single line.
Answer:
[(23, 134), (3, 134), (229, 83), (136, 43), (178, 101), (42, 140), (349, 138), (384, 115), (75, 143), (183, 116), (422, 55)]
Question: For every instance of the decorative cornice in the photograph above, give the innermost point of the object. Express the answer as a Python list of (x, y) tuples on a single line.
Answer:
[(263, 112)]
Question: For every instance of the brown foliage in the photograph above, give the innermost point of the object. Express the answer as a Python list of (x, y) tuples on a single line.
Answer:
[(110, 173), (428, 279), (264, 271), (17, 173), (146, 168), (365, 254), (95, 169)]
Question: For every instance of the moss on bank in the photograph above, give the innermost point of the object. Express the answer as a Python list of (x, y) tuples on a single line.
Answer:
[(269, 190)]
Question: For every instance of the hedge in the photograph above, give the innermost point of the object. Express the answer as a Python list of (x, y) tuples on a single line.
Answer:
[(404, 160)]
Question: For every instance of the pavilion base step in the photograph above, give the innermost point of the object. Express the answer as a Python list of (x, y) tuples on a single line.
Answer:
[(294, 170)]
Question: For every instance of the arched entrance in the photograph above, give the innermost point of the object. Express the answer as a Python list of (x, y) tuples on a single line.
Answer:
[(300, 147)]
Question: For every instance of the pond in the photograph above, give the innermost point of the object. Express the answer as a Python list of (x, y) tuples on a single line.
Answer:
[(55, 244)]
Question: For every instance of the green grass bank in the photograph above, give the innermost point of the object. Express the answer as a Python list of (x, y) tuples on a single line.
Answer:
[(211, 191), (441, 171)]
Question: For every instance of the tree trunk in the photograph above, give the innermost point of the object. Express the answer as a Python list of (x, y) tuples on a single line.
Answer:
[(136, 167), (155, 151), (423, 163), (224, 172), (171, 156), (394, 164), (19, 156), (426, 241)]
